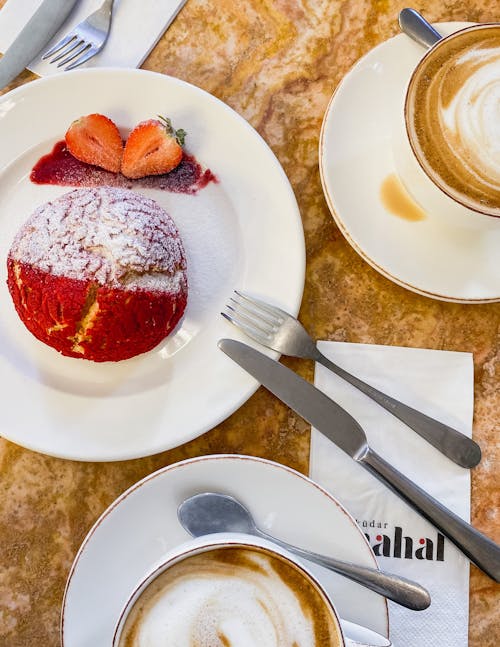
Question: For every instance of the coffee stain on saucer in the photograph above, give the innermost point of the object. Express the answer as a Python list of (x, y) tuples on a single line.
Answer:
[(223, 639), (398, 201)]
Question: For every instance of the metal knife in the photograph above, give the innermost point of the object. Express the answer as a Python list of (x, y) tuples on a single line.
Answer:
[(342, 429), (37, 32)]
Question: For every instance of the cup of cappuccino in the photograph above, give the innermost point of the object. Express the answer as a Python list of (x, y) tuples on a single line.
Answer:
[(447, 144), (229, 590)]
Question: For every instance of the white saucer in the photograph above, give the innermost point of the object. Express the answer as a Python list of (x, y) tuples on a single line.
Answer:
[(141, 526), (428, 257)]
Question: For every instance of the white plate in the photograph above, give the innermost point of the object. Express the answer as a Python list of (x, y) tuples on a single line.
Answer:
[(428, 256), (244, 232), (141, 526)]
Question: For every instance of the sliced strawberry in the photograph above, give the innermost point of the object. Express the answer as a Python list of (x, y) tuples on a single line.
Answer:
[(95, 139), (152, 148)]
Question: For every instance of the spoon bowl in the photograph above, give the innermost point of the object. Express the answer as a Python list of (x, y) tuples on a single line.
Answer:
[(207, 513)]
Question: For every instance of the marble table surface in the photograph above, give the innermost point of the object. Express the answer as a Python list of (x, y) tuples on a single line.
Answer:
[(276, 63)]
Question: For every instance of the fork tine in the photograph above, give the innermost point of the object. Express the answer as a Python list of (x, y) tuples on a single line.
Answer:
[(84, 41), (83, 59), (248, 329), (70, 47), (262, 319), (81, 50), (274, 311), (250, 319), (64, 41)]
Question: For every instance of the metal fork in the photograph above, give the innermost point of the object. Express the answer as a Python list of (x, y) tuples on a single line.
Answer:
[(85, 40), (278, 330)]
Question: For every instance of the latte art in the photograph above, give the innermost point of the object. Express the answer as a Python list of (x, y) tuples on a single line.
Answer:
[(231, 597), (454, 117), (473, 116)]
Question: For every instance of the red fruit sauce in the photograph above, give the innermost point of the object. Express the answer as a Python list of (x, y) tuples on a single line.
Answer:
[(60, 167)]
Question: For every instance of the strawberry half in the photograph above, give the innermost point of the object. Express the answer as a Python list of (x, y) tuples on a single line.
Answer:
[(95, 139), (152, 148)]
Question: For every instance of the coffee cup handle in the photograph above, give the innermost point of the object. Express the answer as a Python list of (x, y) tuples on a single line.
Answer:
[(357, 636)]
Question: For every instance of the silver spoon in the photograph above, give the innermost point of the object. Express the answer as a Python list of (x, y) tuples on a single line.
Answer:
[(206, 513), (416, 27)]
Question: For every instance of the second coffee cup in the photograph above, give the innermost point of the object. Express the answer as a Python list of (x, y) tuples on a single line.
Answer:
[(447, 138)]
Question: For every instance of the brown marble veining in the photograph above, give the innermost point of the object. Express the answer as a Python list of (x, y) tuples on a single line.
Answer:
[(276, 62)]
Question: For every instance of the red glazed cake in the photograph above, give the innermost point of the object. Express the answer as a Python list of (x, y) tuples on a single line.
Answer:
[(99, 273)]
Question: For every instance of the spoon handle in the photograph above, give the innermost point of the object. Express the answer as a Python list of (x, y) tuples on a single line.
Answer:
[(416, 27), (405, 592)]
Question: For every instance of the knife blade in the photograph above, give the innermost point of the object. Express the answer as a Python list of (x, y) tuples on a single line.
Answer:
[(37, 32), (342, 429)]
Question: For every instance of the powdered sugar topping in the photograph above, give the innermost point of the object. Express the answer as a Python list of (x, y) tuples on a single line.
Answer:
[(110, 235)]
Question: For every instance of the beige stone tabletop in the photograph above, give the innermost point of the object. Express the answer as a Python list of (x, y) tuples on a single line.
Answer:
[(276, 62)]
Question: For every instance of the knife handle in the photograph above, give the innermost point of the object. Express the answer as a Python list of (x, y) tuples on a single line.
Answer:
[(481, 550), (458, 447)]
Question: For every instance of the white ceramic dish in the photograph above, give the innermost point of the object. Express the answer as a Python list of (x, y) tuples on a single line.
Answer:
[(141, 526), (429, 257), (243, 232)]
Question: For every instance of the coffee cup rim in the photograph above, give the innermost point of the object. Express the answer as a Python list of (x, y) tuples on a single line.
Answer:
[(206, 543), (430, 52)]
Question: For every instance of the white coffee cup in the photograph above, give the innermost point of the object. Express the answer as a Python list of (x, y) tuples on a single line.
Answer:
[(361, 637), (238, 541), (425, 188)]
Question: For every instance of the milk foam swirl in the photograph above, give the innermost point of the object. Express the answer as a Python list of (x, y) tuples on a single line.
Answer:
[(473, 115), (454, 117), (203, 602)]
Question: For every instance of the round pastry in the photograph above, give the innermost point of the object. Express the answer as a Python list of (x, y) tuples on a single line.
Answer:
[(99, 274)]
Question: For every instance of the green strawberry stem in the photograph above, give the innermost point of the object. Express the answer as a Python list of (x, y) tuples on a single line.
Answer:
[(180, 134)]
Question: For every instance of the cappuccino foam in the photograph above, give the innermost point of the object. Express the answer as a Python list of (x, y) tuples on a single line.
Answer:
[(231, 597), (454, 117)]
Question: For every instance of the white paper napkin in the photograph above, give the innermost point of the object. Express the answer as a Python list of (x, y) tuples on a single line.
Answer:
[(439, 383), (136, 28)]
